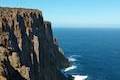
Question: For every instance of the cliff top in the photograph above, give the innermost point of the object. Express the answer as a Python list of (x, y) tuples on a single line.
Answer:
[(47, 22), (25, 9), (4, 9)]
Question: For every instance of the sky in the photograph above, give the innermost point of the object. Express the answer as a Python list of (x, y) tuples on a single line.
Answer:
[(73, 12)]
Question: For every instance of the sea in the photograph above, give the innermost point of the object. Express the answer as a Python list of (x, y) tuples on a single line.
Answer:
[(93, 52)]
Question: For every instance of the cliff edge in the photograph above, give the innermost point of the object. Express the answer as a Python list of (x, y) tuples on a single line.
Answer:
[(28, 50)]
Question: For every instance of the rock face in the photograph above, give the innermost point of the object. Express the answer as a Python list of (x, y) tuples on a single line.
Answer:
[(28, 50)]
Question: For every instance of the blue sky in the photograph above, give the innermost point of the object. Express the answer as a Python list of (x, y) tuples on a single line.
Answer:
[(73, 12)]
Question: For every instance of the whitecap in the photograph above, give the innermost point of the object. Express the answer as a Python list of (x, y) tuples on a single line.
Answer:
[(71, 59), (70, 68), (77, 56), (80, 77)]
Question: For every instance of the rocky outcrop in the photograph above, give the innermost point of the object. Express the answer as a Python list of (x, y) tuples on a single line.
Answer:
[(28, 50)]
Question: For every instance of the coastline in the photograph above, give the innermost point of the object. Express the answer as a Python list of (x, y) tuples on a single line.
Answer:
[(72, 67)]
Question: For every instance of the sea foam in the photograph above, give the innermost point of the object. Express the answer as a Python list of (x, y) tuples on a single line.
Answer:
[(71, 59), (70, 68), (79, 77)]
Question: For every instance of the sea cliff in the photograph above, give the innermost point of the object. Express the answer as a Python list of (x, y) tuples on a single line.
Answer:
[(28, 50)]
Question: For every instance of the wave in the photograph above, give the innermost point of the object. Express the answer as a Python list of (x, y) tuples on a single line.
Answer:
[(70, 68), (76, 56), (71, 59), (79, 77)]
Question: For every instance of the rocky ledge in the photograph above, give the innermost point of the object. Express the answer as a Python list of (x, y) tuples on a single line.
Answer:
[(28, 50)]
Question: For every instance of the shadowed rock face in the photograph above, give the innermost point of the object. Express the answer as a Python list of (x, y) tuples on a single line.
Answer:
[(27, 48)]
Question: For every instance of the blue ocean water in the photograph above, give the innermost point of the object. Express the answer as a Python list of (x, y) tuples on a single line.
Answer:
[(96, 50)]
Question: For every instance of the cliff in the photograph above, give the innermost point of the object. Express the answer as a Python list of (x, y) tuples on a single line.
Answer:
[(28, 50)]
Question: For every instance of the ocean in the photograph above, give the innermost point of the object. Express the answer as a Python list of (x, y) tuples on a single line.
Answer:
[(94, 52)]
